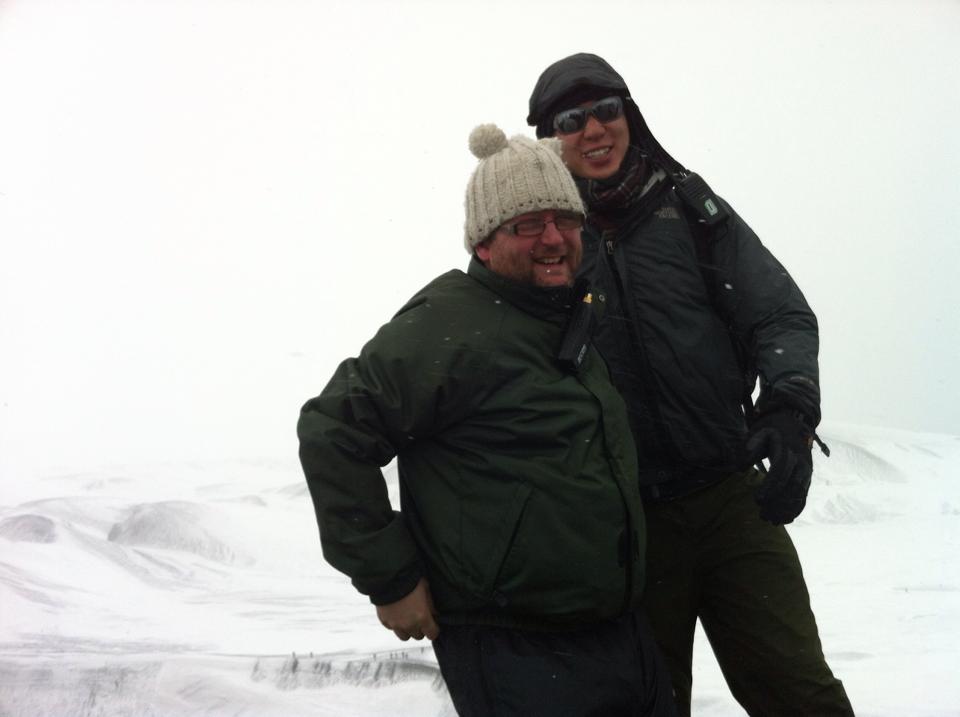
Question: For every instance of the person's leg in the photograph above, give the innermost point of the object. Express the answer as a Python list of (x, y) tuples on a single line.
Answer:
[(458, 653), (671, 593), (652, 679), (755, 610), (594, 672)]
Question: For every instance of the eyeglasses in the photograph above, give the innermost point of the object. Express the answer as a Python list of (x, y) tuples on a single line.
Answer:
[(574, 120), (536, 226)]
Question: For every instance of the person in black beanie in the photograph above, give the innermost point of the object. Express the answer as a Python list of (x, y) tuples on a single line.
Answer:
[(697, 310)]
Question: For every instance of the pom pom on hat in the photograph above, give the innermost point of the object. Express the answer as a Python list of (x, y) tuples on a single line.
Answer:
[(486, 140)]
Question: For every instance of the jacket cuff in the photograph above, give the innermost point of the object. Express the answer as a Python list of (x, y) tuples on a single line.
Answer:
[(398, 588), (774, 406), (796, 393)]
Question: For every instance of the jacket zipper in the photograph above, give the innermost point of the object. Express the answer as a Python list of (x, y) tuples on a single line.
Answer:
[(649, 389)]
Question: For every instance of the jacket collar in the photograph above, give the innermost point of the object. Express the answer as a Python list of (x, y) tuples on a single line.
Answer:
[(548, 303)]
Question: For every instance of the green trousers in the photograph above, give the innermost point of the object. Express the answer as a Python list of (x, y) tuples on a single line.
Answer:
[(709, 556)]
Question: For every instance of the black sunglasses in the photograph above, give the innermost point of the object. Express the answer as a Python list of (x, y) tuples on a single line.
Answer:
[(574, 120)]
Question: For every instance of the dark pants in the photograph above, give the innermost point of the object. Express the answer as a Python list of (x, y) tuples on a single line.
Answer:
[(710, 556), (610, 669)]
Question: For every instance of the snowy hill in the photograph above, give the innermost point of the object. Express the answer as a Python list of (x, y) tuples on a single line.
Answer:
[(186, 589)]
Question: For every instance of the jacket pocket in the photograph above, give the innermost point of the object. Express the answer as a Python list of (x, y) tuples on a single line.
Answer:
[(503, 536)]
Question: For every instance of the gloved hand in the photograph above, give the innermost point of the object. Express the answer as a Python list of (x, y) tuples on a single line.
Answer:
[(783, 437)]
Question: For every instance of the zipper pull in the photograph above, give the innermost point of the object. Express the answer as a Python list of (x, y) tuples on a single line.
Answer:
[(609, 246)]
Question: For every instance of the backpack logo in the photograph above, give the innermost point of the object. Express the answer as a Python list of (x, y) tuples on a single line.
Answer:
[(667, 213), (711, 208)]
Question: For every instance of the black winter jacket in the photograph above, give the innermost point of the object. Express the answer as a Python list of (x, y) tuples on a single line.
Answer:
[(668, 342)]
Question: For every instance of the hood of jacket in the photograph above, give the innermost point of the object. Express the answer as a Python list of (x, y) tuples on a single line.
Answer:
[(585, 76)]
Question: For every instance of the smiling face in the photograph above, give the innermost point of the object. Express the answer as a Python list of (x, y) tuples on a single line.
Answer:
[(596, 151), (549, 259)]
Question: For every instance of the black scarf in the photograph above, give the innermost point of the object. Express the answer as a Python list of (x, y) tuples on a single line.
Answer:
[(630, 193)]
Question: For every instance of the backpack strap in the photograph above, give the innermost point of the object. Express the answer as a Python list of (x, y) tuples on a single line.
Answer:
[(707, 219), (706, 216), (699, 198)]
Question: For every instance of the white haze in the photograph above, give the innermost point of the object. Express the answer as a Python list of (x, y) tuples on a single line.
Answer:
[(193, 192), (205, 205)]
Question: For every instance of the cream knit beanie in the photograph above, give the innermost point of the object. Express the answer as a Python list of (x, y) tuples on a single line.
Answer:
[(514, 177)]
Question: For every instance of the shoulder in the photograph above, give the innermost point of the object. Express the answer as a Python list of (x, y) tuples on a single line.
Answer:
[(668, 214), (452, 296), (451, 314)]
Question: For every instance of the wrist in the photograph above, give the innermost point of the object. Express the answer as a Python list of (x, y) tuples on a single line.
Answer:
[(397, 589)]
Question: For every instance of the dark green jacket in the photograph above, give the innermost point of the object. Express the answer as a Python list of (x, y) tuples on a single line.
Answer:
[(519, 498)]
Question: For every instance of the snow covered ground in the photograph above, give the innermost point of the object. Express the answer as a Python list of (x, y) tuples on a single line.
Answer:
[(200, 589)]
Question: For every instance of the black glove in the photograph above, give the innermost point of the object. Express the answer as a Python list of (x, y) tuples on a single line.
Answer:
[(783, 436)]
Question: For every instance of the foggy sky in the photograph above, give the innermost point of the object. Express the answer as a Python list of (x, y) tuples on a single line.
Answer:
[(205, 206)]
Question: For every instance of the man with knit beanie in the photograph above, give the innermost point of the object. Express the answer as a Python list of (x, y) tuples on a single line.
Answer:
[(697, 309), (518, 548)]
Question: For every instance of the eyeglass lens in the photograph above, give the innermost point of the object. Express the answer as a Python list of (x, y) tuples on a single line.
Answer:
[(536, 227), (574, 120)]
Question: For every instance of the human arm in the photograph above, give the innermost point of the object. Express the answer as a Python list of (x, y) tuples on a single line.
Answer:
[(410, 384), (344, 442), (766, 309), (370, 410), (771, 318)]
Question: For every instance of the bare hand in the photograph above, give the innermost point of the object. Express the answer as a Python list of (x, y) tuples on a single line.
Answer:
[(412, 615)]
